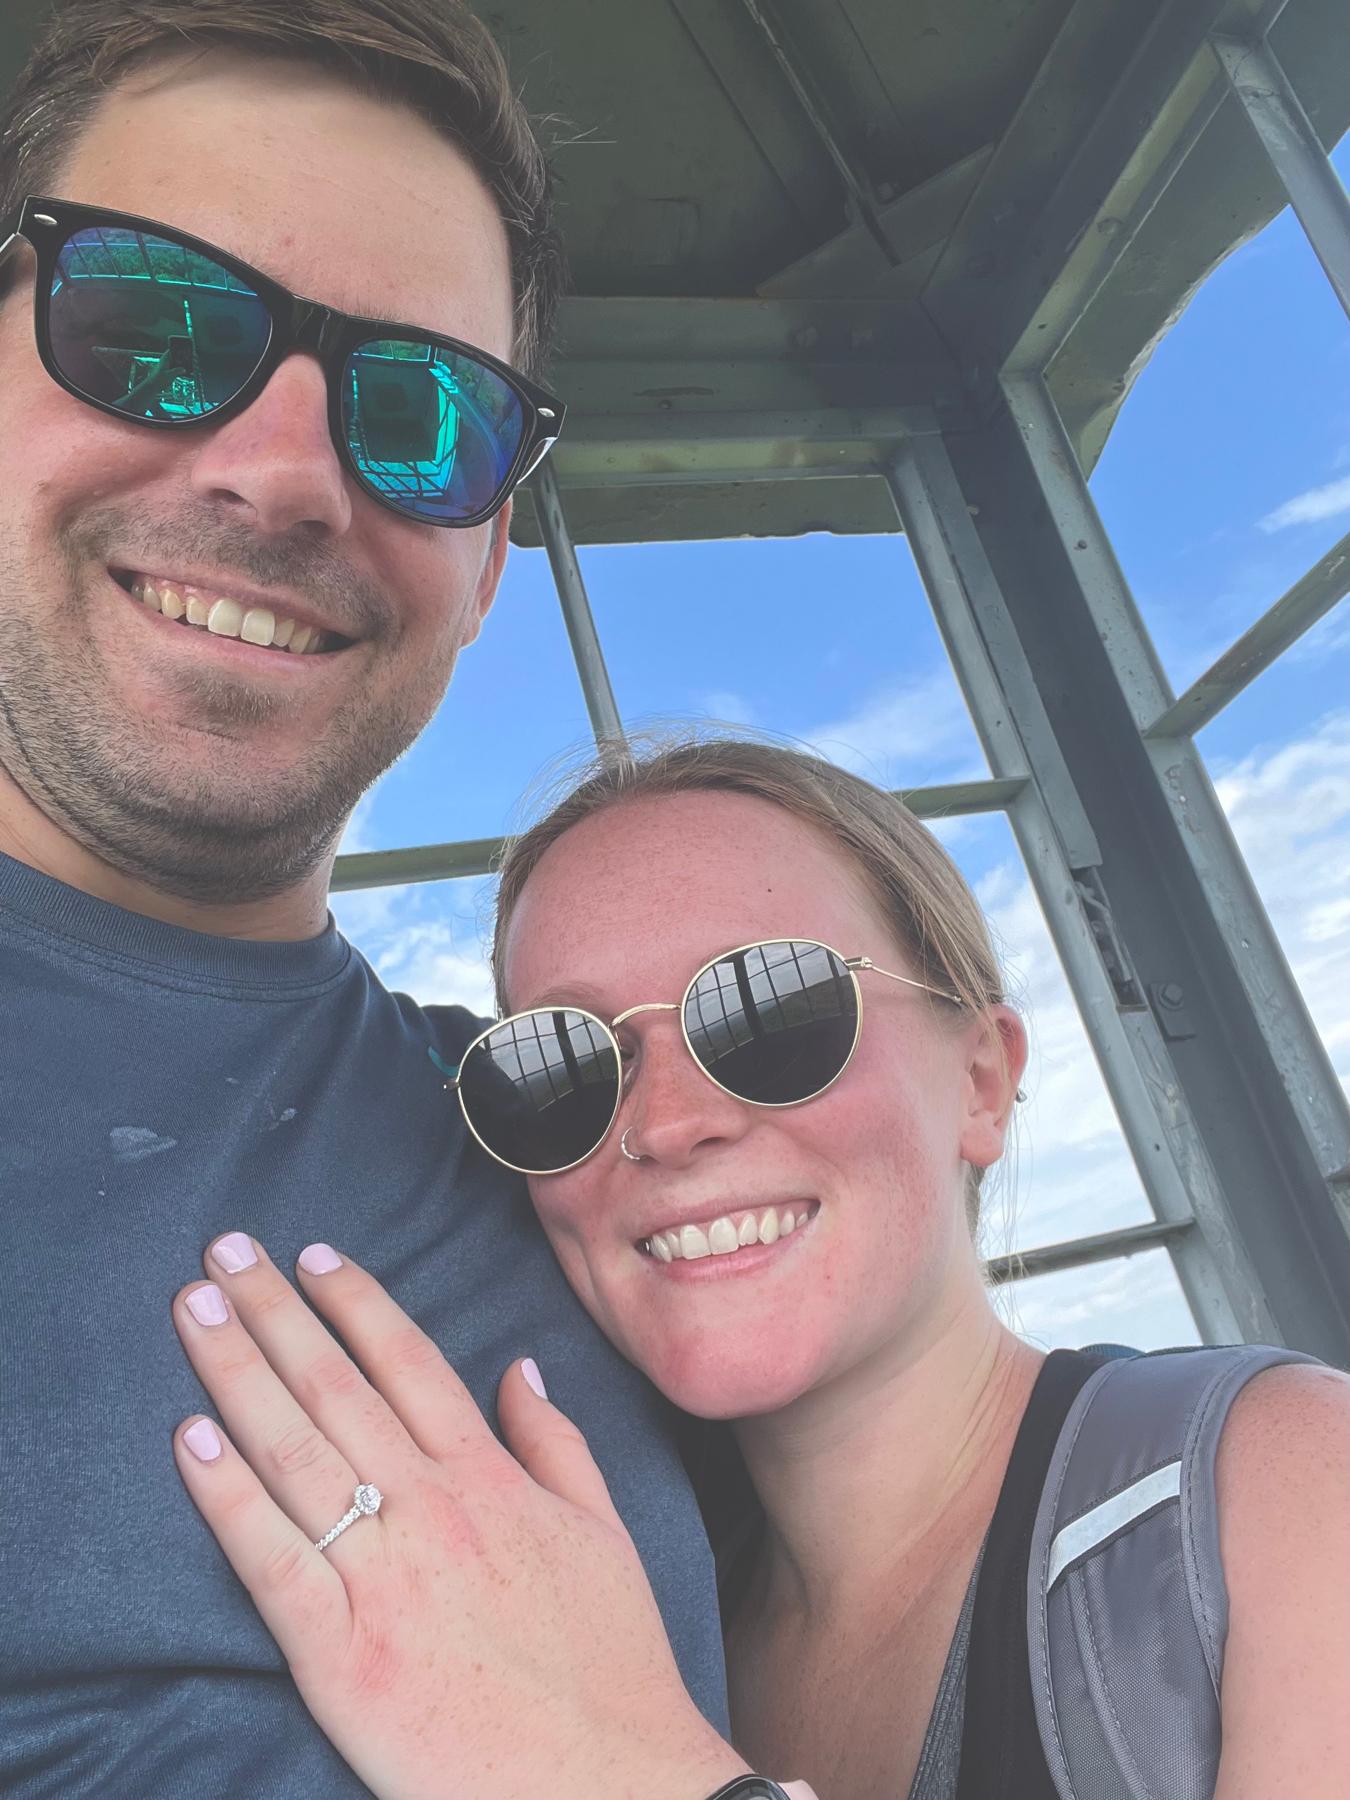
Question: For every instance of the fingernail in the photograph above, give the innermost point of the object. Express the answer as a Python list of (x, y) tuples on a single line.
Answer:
[(530, 1370), (203, 1440), (319, 1259), (207, 1305), (234, 1252)]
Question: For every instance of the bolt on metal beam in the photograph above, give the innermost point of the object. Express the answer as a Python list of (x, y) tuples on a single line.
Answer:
[(576, 607), (1295, 151), (1312, 596)]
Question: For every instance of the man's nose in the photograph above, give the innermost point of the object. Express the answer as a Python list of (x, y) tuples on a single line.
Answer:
[(675, 1112), (275, 461)]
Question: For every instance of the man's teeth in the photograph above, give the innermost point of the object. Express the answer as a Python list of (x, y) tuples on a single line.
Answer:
[(688, 1242), (229, 618)]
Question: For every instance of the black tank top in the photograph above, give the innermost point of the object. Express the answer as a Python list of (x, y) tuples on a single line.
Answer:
[(1001, 1755)]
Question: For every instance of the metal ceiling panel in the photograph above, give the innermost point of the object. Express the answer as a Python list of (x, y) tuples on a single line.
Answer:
[(782, 207)]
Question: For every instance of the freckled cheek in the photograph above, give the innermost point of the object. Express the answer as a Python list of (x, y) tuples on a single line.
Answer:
[(572, 1215), (896, 1192)]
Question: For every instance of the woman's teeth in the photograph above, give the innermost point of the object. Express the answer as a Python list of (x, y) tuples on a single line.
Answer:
[(731, 1232), (224, 617)]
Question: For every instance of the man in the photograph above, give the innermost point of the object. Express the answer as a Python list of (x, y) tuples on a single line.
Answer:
[(214, 635)]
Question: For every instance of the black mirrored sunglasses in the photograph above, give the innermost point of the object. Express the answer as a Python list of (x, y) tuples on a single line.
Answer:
[(773, 1024), (161, 329)]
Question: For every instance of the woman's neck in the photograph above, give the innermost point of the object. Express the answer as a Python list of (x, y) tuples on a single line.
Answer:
[(872, 1484)]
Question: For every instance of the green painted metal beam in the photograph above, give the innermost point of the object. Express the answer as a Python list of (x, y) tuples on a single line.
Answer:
[(1077, 1253), (481, 856), (1309, 600)]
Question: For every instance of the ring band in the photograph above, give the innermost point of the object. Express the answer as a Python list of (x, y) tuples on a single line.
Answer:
[(365, 1504), (623, 1146)]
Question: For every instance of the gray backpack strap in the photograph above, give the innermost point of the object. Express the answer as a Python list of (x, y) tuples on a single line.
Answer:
[(1127, 1609)]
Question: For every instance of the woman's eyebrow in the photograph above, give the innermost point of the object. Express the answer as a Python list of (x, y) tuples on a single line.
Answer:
[(559, 999)]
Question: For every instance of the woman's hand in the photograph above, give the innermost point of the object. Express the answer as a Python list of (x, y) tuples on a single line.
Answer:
[(490, 1631)]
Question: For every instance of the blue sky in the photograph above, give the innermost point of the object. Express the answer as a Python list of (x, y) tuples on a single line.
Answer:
[(1226, 476)]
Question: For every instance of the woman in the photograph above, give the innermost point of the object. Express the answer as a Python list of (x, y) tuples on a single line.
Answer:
[(786, 1246)]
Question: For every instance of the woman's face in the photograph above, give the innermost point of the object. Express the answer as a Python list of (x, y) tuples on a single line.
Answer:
[(623, 909)]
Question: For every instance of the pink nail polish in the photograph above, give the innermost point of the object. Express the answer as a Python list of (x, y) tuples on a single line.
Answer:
[(530, 1370), (207, 1305), (203, 1440), (234, 1252), (319, 1259)]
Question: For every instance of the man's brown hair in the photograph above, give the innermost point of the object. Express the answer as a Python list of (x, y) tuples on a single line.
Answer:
[(434, 56)]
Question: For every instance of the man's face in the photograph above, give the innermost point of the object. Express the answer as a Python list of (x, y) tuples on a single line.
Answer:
[(204, 766)]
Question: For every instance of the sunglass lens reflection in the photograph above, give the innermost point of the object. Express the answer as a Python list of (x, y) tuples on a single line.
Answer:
[(775, 1023), (150, 327), (432, 431), (541, 1090)]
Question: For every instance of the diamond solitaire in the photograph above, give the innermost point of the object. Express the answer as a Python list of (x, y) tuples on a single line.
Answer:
[(366, 1502)]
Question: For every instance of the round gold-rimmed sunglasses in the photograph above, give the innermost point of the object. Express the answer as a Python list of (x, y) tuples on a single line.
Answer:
[(773, 1024)]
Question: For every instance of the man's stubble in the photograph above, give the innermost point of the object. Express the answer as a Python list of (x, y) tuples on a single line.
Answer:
[(220, 839)]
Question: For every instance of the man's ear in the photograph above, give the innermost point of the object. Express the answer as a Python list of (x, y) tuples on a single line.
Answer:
[(499, 541), (997, 1060)]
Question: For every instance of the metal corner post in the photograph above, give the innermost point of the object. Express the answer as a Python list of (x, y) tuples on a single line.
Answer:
[(1062, 857), (1247, 1076), (576, 608)]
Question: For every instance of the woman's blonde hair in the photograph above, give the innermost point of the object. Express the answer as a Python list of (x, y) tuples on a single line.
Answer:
[(921, 892)]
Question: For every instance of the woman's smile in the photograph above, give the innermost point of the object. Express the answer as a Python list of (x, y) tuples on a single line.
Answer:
[(703, 1247)]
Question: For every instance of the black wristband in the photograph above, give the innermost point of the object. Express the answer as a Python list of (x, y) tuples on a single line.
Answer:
[(749, 1787)]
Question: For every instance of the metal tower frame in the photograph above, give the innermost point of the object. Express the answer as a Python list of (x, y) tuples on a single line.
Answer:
[(1224, 1091)]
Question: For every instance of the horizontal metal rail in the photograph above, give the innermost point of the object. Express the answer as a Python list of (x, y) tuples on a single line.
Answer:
[(958, 799), (714, 449), (1077, 1253), (421, 862), (481, 856), (1309, 600)]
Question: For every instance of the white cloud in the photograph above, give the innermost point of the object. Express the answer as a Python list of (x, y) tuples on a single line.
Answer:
[(438, 962), (1137, 1302), (356, 836), (1326, 502), (914, 729), (1289, 807), (728, 707), (364, 913), (426, 939)]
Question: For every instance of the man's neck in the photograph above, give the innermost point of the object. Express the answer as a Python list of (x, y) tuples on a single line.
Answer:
[(876, 1483), (30, 837)]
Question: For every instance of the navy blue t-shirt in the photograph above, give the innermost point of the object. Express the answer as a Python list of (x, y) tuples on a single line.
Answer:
[(157, 1087)]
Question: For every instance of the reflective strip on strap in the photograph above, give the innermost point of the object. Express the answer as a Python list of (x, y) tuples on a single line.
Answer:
[(1111, 1517)]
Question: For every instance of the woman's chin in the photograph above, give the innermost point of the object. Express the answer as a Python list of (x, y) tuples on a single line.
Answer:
[(710, 1386)]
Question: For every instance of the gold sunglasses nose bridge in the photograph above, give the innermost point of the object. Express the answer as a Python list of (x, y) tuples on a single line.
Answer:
[(647, 1006)]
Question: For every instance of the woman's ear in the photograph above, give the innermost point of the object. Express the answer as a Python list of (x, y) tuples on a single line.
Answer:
[(997, 1059)]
